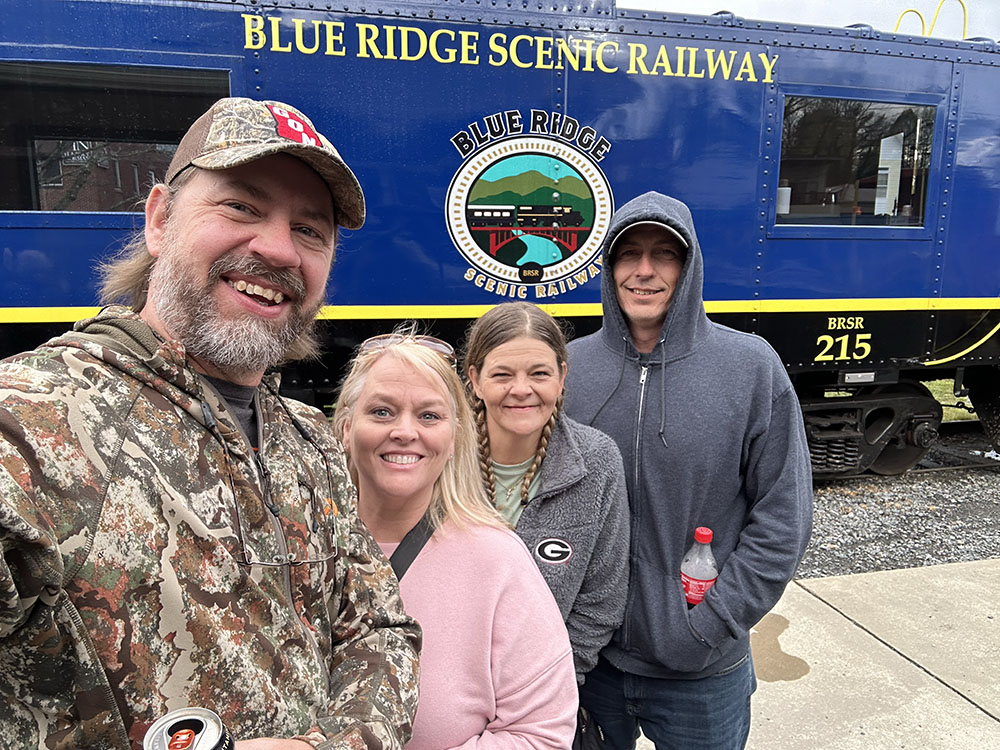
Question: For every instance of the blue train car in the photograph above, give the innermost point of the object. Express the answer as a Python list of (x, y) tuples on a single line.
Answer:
[(845, 182)]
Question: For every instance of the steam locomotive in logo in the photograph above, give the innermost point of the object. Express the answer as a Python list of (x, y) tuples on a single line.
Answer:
[(523, 216)]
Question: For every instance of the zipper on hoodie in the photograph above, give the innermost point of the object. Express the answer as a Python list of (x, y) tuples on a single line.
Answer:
[(644, 370), (627, 622)]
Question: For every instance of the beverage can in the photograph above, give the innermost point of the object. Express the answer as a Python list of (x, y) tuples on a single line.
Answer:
[(191, 728)]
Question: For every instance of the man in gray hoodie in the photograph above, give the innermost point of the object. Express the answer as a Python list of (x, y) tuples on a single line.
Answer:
[(711, 434)]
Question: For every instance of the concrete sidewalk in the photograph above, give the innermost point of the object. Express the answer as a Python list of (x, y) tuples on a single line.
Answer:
[(899, 659), (881, 661)]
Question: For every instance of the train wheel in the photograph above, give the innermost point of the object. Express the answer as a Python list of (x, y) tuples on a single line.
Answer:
[(984, 391), (915, 437)]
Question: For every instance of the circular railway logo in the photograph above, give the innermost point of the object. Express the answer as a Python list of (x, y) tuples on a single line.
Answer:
[(529, 210)]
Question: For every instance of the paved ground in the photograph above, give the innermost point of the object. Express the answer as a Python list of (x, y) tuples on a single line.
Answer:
[(901, 659)]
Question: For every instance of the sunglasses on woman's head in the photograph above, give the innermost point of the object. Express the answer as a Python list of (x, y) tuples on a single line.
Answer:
[(386, 340)]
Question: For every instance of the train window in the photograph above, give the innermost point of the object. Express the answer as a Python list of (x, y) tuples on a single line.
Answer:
[(846, 161), (68, 131)]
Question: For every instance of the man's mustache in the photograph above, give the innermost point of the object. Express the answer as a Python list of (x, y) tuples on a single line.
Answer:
[(279, 277)]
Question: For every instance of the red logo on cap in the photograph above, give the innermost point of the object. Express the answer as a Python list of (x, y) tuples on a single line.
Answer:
[(293, 128)]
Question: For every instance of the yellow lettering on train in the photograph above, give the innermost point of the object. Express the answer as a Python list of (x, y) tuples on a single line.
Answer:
[(588, 45), (367, 34), (253, 32), (334, 38), (446, 46), (470, 47), (600, 56), (467, 47), (637, 58), (845, 323), (571, 56), (498, 43), (543, 53), (769, 63), (276, 36), (325, 35), (518, 62), (720, 63), (692, 58), (746, 67), (300, 41), (449, 56), (847, 347)]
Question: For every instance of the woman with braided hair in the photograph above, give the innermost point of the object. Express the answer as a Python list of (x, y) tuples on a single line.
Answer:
[(559, 483)]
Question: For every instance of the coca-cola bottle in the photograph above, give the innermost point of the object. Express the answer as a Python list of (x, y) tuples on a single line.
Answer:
[(698, 568)]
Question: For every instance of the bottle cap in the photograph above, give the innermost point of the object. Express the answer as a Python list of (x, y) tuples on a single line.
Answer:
[(703, 534)]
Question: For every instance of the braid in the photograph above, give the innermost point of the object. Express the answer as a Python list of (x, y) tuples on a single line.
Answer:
[(485, 454), (543, 445)]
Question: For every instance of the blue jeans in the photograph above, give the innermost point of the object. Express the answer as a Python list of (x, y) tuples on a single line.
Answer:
[(712, 713)]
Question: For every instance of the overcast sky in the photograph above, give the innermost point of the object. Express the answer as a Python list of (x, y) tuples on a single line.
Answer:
[(984, 15)]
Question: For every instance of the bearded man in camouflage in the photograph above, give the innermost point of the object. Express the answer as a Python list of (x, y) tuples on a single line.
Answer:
[(175, 533)]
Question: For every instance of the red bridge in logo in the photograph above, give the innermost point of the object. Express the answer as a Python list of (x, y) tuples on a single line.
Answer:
[(568, 237)]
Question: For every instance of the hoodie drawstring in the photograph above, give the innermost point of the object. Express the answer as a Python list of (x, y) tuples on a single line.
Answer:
[(621, 375), (663, 391)]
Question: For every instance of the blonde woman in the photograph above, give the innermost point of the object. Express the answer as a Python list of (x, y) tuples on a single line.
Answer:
[(496, 666), (560, 484)]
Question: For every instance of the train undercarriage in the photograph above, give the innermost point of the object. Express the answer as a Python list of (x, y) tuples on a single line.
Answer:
[(888, 428)]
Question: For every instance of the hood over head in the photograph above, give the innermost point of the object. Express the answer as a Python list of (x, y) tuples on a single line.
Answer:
[(686, 321)]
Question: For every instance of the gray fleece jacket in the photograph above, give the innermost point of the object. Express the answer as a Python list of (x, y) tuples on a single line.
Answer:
[(711, 433), (577, 530)]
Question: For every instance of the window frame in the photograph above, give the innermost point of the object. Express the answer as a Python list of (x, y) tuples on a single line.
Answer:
[(230, 66), (860, 231)]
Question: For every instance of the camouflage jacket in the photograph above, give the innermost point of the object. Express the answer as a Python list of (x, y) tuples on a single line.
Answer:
[(129, 501)]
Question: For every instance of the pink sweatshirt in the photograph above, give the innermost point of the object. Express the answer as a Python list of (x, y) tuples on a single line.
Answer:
[(496, 669)]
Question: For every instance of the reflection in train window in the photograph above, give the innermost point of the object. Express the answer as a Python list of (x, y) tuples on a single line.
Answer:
[(67, 131), (847, 161)]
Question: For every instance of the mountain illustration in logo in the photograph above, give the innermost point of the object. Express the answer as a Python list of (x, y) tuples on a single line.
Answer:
[(530, 209)]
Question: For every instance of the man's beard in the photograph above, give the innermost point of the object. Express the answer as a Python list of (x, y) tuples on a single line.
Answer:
[(240, 346)]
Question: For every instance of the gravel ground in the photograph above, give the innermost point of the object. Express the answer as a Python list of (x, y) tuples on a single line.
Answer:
[(872, 523)]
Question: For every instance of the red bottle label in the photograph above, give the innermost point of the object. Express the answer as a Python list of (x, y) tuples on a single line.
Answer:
[(695, 588)]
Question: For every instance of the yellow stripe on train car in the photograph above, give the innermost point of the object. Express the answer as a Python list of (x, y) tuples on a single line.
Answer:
[(403, 312)]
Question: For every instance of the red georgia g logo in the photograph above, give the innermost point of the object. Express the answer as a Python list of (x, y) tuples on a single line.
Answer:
[(292, 128)]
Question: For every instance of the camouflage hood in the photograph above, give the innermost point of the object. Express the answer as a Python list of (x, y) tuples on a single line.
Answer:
[(124, 341)]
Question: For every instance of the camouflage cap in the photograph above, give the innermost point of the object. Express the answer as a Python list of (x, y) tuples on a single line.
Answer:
[(236, 131)]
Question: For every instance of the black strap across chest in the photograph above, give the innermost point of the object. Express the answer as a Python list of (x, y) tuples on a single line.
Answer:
[(410, 546)]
